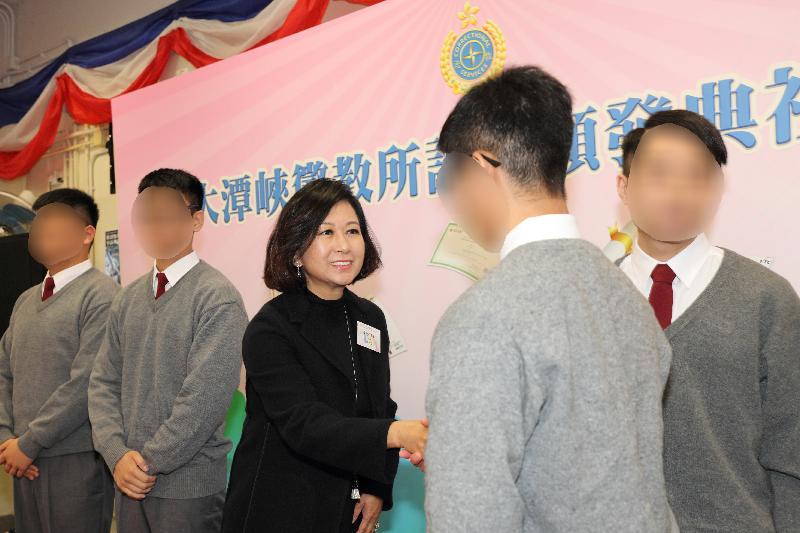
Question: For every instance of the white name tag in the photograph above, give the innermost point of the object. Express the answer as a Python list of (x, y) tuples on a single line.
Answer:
[(368, 337)]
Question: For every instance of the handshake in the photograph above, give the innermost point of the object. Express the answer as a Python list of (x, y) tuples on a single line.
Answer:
[(410, 436)]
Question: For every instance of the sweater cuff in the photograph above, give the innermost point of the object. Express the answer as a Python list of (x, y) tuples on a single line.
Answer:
[(113, 452), (6, 434), (154, 467), (29, 445)]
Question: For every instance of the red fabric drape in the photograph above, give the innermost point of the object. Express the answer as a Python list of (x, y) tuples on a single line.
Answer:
[(86, 108), (304, 14), (19, 162)]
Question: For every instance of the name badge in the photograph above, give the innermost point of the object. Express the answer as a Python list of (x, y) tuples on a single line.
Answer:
[(368, 337)]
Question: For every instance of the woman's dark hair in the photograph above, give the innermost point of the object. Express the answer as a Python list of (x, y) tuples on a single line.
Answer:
[(697, 124), (297, 226)]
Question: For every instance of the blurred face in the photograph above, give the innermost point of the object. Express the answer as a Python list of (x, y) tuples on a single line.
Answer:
[(335, 256), (58, 234), (164, 223), (471, 192), (675, 185)]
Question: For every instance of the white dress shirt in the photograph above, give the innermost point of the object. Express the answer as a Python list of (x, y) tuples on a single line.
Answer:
[(176, 270), (695, 266), (60, 279), (541, 228)]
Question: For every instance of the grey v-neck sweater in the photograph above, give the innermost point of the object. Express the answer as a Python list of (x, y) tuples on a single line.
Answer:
[(46, 356), (545, 400), (164, 378), (732, 404)]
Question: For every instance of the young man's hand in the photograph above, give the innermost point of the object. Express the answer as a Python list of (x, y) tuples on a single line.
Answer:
[(416, 458), (15, 461), (131, 477), (32, 472)]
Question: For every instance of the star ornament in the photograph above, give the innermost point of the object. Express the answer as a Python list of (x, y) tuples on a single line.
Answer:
[(467, 15)]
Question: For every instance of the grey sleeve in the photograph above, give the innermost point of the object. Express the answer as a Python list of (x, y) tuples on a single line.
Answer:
[(780, 442), (6, 388), (105, 402), (7, 380), (66, 408), (215, 361), (476, 400)]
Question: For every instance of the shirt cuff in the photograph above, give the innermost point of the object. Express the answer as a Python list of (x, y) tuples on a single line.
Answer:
[(28, 445)]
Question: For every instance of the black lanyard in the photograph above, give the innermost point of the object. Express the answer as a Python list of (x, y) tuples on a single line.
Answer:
[(352, 352), (355, 494)]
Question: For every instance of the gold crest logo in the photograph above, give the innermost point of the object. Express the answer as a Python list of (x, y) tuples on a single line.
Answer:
[(477, 53)]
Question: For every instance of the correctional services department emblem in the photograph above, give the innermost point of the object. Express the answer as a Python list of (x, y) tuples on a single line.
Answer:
[(473, 55)]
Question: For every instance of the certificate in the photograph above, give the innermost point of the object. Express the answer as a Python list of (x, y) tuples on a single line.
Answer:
[(765, 261), (458, 252), (397, 344)]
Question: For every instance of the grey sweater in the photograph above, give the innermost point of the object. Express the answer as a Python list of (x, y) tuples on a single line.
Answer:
[(46, 356), (545, 400), (732, 404), (164, 378)]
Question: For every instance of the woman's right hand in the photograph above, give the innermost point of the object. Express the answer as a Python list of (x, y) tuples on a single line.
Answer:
[(412, 435)]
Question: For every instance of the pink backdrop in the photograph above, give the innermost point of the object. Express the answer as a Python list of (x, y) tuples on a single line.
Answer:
[(370, 80)]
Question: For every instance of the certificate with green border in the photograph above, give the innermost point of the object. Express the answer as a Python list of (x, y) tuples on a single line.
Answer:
[(458, 252)]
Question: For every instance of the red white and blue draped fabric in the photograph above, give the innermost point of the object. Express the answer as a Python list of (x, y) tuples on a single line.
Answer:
[(86, 76)]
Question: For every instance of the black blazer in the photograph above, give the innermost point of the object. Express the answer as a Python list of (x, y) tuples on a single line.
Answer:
[(301, 441)]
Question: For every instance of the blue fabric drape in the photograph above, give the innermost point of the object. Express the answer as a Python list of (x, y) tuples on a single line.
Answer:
[(16, 100)]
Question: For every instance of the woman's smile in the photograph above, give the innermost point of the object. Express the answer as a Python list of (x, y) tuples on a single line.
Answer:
[(342, 265)]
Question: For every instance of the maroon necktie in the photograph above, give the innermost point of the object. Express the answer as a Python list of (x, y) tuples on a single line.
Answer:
[(49, 285), (661, 294), (162, 284)]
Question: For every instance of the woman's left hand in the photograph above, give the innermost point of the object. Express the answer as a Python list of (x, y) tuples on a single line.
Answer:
[(369, 507)]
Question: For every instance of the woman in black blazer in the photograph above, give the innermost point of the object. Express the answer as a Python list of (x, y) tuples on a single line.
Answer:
[(319, 449)]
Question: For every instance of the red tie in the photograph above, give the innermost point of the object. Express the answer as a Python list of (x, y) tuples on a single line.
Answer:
[(661, 294), (162, 284), (49, 285)]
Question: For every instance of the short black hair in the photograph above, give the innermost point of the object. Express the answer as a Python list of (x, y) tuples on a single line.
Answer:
[(180, 180), (696, 124), (524, 117), (76, 199), (297, 226)]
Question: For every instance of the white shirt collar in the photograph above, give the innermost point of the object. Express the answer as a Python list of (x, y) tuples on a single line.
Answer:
[(68, 274), (540, 228), (686, 264), (176, 270)]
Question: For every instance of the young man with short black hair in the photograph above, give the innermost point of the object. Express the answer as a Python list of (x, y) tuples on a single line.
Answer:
[(167, 370), (732, 402), (547, 375), (46, 357)]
